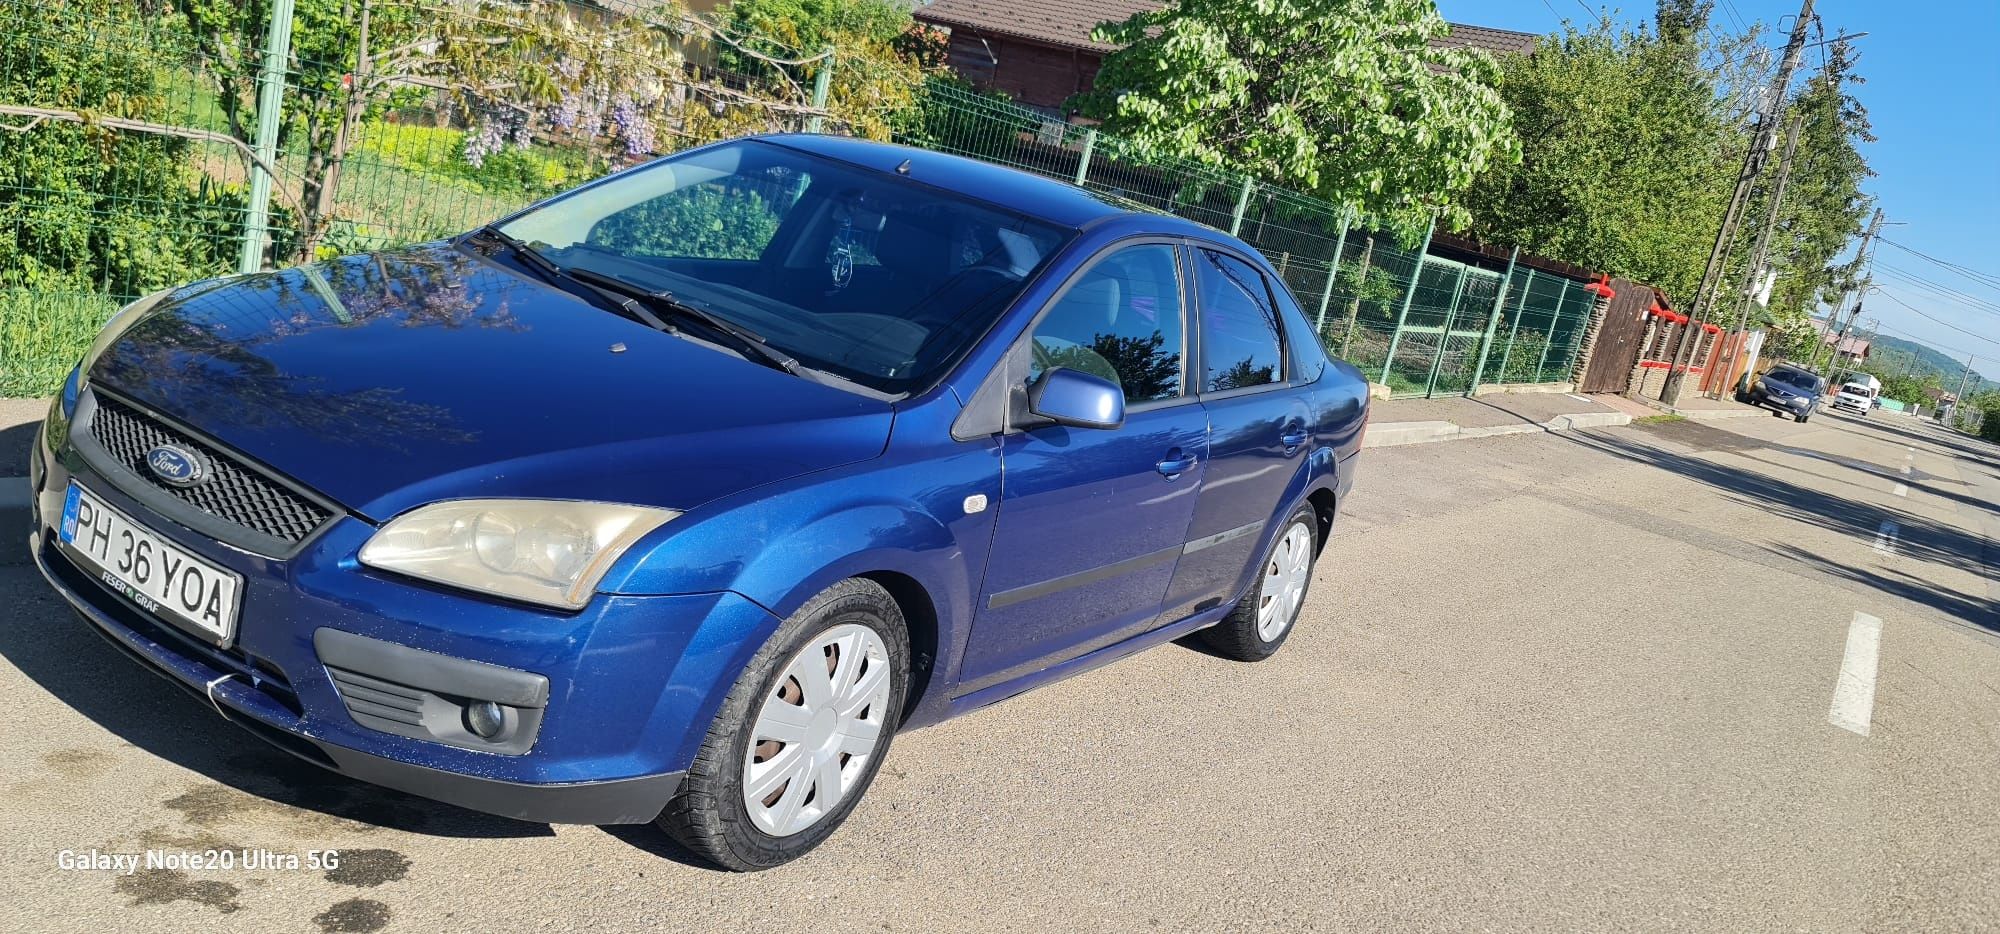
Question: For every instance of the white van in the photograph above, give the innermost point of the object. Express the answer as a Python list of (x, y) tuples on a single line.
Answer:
[(1857, 393)]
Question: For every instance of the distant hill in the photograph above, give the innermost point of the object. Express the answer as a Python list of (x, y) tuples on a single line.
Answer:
[(1893, 352)]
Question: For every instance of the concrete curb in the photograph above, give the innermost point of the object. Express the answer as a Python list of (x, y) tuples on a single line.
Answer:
[(1395, 434), (1710, 415), (13, 520)]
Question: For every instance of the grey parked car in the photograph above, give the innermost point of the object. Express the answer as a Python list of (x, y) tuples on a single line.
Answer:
[(1789, 390)]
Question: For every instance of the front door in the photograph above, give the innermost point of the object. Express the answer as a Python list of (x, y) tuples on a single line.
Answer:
[(1091, 522)]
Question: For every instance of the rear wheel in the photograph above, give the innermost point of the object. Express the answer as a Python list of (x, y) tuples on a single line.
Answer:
[(801, 734), (1261, 621)]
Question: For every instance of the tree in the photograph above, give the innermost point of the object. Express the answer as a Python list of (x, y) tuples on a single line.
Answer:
[(347, 58), (1824, 206), (1347, 101), (1628, 149), (881, 60), (81, 199)]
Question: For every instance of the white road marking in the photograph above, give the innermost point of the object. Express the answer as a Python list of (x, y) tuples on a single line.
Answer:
[(1853, 705), (1906, 468), (1902, 489), (1885, 538)]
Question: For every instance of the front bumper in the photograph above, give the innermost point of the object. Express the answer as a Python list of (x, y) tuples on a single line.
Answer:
[(1789, 404), (629, 685), (248, 705)]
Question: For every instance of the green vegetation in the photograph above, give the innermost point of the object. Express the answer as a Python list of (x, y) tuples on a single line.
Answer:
[(1631, 139), (1626, 157), (42, 334), (1662, 419), (1348, 102), (89, 209)]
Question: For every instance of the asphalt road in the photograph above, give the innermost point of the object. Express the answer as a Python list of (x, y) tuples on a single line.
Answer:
[(1580, 681)]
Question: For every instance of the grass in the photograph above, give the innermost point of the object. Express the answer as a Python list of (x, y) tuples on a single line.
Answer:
[(1658, 419), (42, 334)]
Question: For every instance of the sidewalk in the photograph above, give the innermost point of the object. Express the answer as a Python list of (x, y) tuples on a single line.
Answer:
[(1416, 421)]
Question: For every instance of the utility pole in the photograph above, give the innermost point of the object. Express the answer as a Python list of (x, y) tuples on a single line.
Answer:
[(1963, 382), (1761, 253), (1865, 255), (1753, 164)]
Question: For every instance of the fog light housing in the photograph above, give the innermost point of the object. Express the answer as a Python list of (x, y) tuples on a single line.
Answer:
[(485, 719)]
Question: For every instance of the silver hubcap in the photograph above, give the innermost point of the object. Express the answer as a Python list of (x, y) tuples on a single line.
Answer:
[(1284, 585), (817, 730)]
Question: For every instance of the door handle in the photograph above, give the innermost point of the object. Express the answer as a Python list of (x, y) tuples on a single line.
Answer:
[(1294, 437), (1176, 464)]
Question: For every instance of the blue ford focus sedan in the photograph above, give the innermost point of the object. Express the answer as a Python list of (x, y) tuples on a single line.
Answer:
[(673, 498)]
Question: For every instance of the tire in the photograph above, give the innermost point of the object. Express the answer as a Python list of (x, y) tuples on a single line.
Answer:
[(1245, 634), (1802, 418), (712, 815)]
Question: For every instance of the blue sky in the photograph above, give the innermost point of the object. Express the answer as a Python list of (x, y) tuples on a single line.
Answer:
[(1933, 83)]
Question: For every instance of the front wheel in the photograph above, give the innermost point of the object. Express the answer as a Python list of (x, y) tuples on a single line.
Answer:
[(801, 734), (1802, 419), (1259, 623)]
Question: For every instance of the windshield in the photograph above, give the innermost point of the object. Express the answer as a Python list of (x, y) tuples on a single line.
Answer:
[(1794, 378), (1854, 389), (862, 274)]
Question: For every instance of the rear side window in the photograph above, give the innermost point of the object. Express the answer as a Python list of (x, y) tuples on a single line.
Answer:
[(1121, 320), (1240, 346)]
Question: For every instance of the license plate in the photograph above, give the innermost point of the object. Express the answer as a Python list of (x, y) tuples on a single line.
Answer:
[(149, 570)]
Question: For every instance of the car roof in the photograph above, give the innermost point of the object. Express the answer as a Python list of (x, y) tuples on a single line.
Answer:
[(1043, 198)]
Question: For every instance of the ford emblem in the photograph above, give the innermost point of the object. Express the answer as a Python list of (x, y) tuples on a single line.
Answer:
[(176, 466)]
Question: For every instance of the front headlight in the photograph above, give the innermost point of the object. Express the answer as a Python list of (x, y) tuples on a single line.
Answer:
[(551, 552), (115, 328)]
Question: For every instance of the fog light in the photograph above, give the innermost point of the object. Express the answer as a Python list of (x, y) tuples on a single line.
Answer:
[(484, 719)]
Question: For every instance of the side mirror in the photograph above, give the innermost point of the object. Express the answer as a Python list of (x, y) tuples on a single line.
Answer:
[(1077, 399)]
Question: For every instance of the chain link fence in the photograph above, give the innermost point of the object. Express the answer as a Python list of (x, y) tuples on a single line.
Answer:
[(132, 151)]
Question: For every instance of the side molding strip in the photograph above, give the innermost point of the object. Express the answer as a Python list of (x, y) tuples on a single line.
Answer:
[(1067, 581)]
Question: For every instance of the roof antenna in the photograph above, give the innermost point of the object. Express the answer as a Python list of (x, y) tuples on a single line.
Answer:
[(903, 169)]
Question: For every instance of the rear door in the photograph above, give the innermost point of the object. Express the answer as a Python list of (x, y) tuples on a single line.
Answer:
[(1091, 522), (1257, 427)]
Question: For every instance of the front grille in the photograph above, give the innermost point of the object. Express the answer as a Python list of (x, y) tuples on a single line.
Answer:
[(235, 493)]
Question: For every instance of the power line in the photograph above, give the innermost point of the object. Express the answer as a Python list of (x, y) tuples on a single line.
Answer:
[(1948, 324), (1985, 278), (1941, 291), (1734, 16)]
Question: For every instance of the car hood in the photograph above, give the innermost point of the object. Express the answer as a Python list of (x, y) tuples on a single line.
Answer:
[(385, 381)]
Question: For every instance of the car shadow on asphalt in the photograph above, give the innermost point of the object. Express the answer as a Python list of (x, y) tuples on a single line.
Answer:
[(653, 841), (1917, 536), (14, 443), (59, 652)]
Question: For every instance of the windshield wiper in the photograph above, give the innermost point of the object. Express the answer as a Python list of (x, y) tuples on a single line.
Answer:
[(738, 336), (533, 257), (626, 298)]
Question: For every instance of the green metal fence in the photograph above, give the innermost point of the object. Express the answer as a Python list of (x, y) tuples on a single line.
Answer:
[(1439, 331), (131, 161)]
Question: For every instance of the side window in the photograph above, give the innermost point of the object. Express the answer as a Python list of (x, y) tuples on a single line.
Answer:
[(730, 218), (1239, 325), (1120, 320)]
